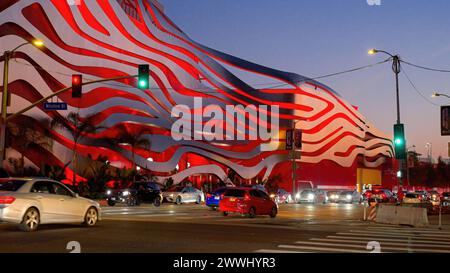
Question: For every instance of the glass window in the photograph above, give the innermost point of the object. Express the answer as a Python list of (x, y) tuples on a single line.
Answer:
[(41, 187), (263, 195), (11, 185), (60, 189), (254, 193), (235, 193)]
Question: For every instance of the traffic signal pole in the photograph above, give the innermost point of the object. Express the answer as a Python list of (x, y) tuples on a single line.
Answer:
[(396, 70)]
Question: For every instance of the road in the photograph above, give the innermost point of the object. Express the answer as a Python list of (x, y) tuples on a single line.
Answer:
[(195, 228)]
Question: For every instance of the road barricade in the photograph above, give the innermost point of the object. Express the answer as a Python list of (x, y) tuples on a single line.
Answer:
[(402, 215)]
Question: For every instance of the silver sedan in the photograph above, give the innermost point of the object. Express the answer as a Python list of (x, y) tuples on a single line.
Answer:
[(30, 202), (180, 195)]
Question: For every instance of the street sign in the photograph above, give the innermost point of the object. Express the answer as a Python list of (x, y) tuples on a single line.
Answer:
[(445, 120), (50, 106)]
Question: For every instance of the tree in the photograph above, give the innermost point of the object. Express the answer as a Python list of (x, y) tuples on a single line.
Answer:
[(78, 129), (134, 139), (97, 174)]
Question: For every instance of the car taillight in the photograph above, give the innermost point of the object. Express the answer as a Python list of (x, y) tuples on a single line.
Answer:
[(7, 199), (247, 197), (208, 195), (222, 196)]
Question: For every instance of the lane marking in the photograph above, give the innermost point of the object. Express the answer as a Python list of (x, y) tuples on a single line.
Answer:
[(329, 249)]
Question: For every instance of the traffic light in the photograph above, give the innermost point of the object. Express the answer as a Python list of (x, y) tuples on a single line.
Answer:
[(77, 81), (399, 141), (143, 76)]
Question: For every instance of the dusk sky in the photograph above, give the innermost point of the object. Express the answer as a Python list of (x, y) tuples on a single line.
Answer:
[(314, 38)]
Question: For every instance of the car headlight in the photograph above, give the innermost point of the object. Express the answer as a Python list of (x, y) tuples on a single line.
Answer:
[(126, 193), (349, 197), (272, 196), (297, 196), (311, 196), (171, 195), (108, 192)]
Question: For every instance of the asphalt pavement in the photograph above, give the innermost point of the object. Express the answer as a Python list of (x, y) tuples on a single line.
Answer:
[(195, 228)]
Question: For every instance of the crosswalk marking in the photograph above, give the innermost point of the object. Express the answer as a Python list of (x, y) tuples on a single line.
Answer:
[(401, 234), (412, 244), (329, 249), (384, 239), (390, 238), (278, 251)]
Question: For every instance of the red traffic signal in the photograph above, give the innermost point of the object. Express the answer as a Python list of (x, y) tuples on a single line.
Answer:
[(77, 81)]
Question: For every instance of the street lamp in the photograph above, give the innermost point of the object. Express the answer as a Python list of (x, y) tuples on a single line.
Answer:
[(429, 147), (7, 55), (436, 94), (407, 162), (396, 70)]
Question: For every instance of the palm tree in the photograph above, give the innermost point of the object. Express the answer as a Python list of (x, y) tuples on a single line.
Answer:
[(134, 139), (78, 129)]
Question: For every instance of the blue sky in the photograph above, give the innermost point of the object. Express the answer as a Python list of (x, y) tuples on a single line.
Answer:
[(317, 37)]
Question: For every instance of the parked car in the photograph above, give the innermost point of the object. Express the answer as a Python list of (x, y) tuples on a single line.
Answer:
[(213, 199), (412, 198), (180, 195), (333, 196), (247, 201), (31, 202), (281, 196), (136, 193), (380, 196), (445, 199), (349, 197), (311, 196)]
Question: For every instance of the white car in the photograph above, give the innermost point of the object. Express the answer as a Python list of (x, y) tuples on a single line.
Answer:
[(180, 195), (349, 197), (30, 202)]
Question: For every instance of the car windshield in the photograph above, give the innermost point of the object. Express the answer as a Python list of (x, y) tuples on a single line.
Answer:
[(11, 185), (235, 193), (307, 192), (446, 194), (346, 192)]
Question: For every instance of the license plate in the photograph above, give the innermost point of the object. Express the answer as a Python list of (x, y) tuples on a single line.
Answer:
[(217, 197), (232, 199)]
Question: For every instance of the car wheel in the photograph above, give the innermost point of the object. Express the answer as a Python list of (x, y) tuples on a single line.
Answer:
[(157, 201), (178, 200), (30, 220), (131, 202), (274, 212), (225, 213), (111, 203), (252, 212), (91, 217), (199, 200)]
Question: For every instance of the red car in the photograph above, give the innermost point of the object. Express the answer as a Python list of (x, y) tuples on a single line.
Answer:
[(247, 201), (380, 196)]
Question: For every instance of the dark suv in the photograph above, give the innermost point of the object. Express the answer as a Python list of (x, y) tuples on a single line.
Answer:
[(135, 194)]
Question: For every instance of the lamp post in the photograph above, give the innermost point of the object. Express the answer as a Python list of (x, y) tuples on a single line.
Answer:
[(429, 147), (7, 55), (294, 163), (396, 70), (436, 94), (407, 163)]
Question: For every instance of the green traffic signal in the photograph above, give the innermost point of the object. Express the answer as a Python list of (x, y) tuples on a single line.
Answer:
[(399, 141), (143, 76)]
